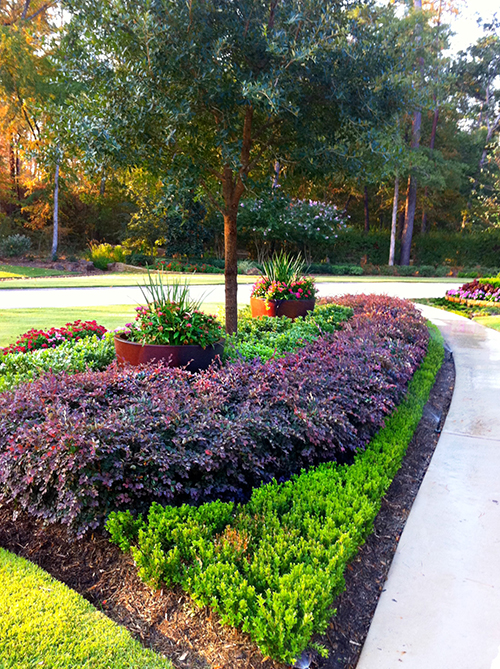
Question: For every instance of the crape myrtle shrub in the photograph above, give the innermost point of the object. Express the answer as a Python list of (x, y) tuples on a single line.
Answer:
[(75, 447)]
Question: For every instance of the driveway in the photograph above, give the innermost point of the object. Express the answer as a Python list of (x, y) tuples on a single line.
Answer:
[(93, 297)]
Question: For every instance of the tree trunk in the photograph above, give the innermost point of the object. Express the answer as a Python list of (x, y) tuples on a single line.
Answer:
[(347, 203), (367, 213), (233, 187), (55, 234), (231, 271), (394, 221), (411, 204)]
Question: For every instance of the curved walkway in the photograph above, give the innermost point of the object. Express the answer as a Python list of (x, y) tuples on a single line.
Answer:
[(440, 607)]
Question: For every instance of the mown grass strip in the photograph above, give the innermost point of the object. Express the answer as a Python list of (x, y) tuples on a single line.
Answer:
[(20, 271), (44, 623), (274, 566)]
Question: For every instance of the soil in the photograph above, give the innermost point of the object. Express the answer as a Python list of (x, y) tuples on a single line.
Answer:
[(194, 638)]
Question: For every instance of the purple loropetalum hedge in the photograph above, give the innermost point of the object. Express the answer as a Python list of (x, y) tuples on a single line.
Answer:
[(75, 447)]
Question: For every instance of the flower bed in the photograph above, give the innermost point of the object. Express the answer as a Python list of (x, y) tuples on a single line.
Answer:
[(34, 340), (74, 448), (274, 566), (175, 266), (480, 292)]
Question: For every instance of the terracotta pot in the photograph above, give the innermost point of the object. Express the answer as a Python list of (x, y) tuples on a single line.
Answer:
[(290, 308), (191, 356)]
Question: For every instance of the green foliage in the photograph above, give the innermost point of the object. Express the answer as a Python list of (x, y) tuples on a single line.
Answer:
[(275, 565), (14, 245), (104, 254), (267, 337), (45, 624), (283, 267), (492, 281), (91, 353)]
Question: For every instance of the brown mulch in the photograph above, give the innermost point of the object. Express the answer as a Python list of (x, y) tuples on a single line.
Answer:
[(195, 638)]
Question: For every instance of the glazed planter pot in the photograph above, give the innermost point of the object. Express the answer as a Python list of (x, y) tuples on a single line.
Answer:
[(193, 357), (290, 308)]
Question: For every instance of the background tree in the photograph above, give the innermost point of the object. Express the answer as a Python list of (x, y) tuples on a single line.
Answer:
[(209, 95)]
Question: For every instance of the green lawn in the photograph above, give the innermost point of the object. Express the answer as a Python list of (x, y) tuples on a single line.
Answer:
[(489, 321), (14, 322), (14, 271), (126, 279), (45, 624)]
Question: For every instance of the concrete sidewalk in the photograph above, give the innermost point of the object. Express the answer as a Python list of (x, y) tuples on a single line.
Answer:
[(440, 608)]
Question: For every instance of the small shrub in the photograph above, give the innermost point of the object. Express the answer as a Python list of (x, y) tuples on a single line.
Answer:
[(15, 245), (104, 254)]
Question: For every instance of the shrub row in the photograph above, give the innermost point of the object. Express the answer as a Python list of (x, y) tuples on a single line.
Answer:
[(75, 447), (274, 566), (436, 248), (71, 356)]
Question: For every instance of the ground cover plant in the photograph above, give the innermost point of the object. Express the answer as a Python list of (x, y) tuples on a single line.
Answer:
[(274, 565), (92, 353), (268, 337), (44, 623)]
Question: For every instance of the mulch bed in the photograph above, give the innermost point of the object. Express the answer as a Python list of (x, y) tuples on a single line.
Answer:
[(195, 638)]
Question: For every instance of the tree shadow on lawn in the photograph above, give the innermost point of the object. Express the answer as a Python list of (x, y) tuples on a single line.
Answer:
[(170, 623)]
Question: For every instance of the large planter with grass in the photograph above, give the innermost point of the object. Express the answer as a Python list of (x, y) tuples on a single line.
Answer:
[(275, 308), (193, 357)]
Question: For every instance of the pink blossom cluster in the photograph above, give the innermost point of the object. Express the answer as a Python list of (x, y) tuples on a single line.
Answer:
[(298, 289)]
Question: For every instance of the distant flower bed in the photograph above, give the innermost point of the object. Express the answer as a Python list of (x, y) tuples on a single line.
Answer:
[(34, 340), (174, 266), (480, 291)]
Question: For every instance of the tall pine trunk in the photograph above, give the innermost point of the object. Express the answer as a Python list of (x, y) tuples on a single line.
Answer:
[(55, 233), (394, 221)]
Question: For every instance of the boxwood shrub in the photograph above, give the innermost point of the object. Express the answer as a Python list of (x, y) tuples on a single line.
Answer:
[(73, 448)]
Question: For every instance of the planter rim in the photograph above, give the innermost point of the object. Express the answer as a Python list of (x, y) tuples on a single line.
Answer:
[(185, 346), (284, 299)]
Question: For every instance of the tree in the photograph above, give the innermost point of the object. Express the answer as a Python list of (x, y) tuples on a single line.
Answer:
[(209, 94)]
